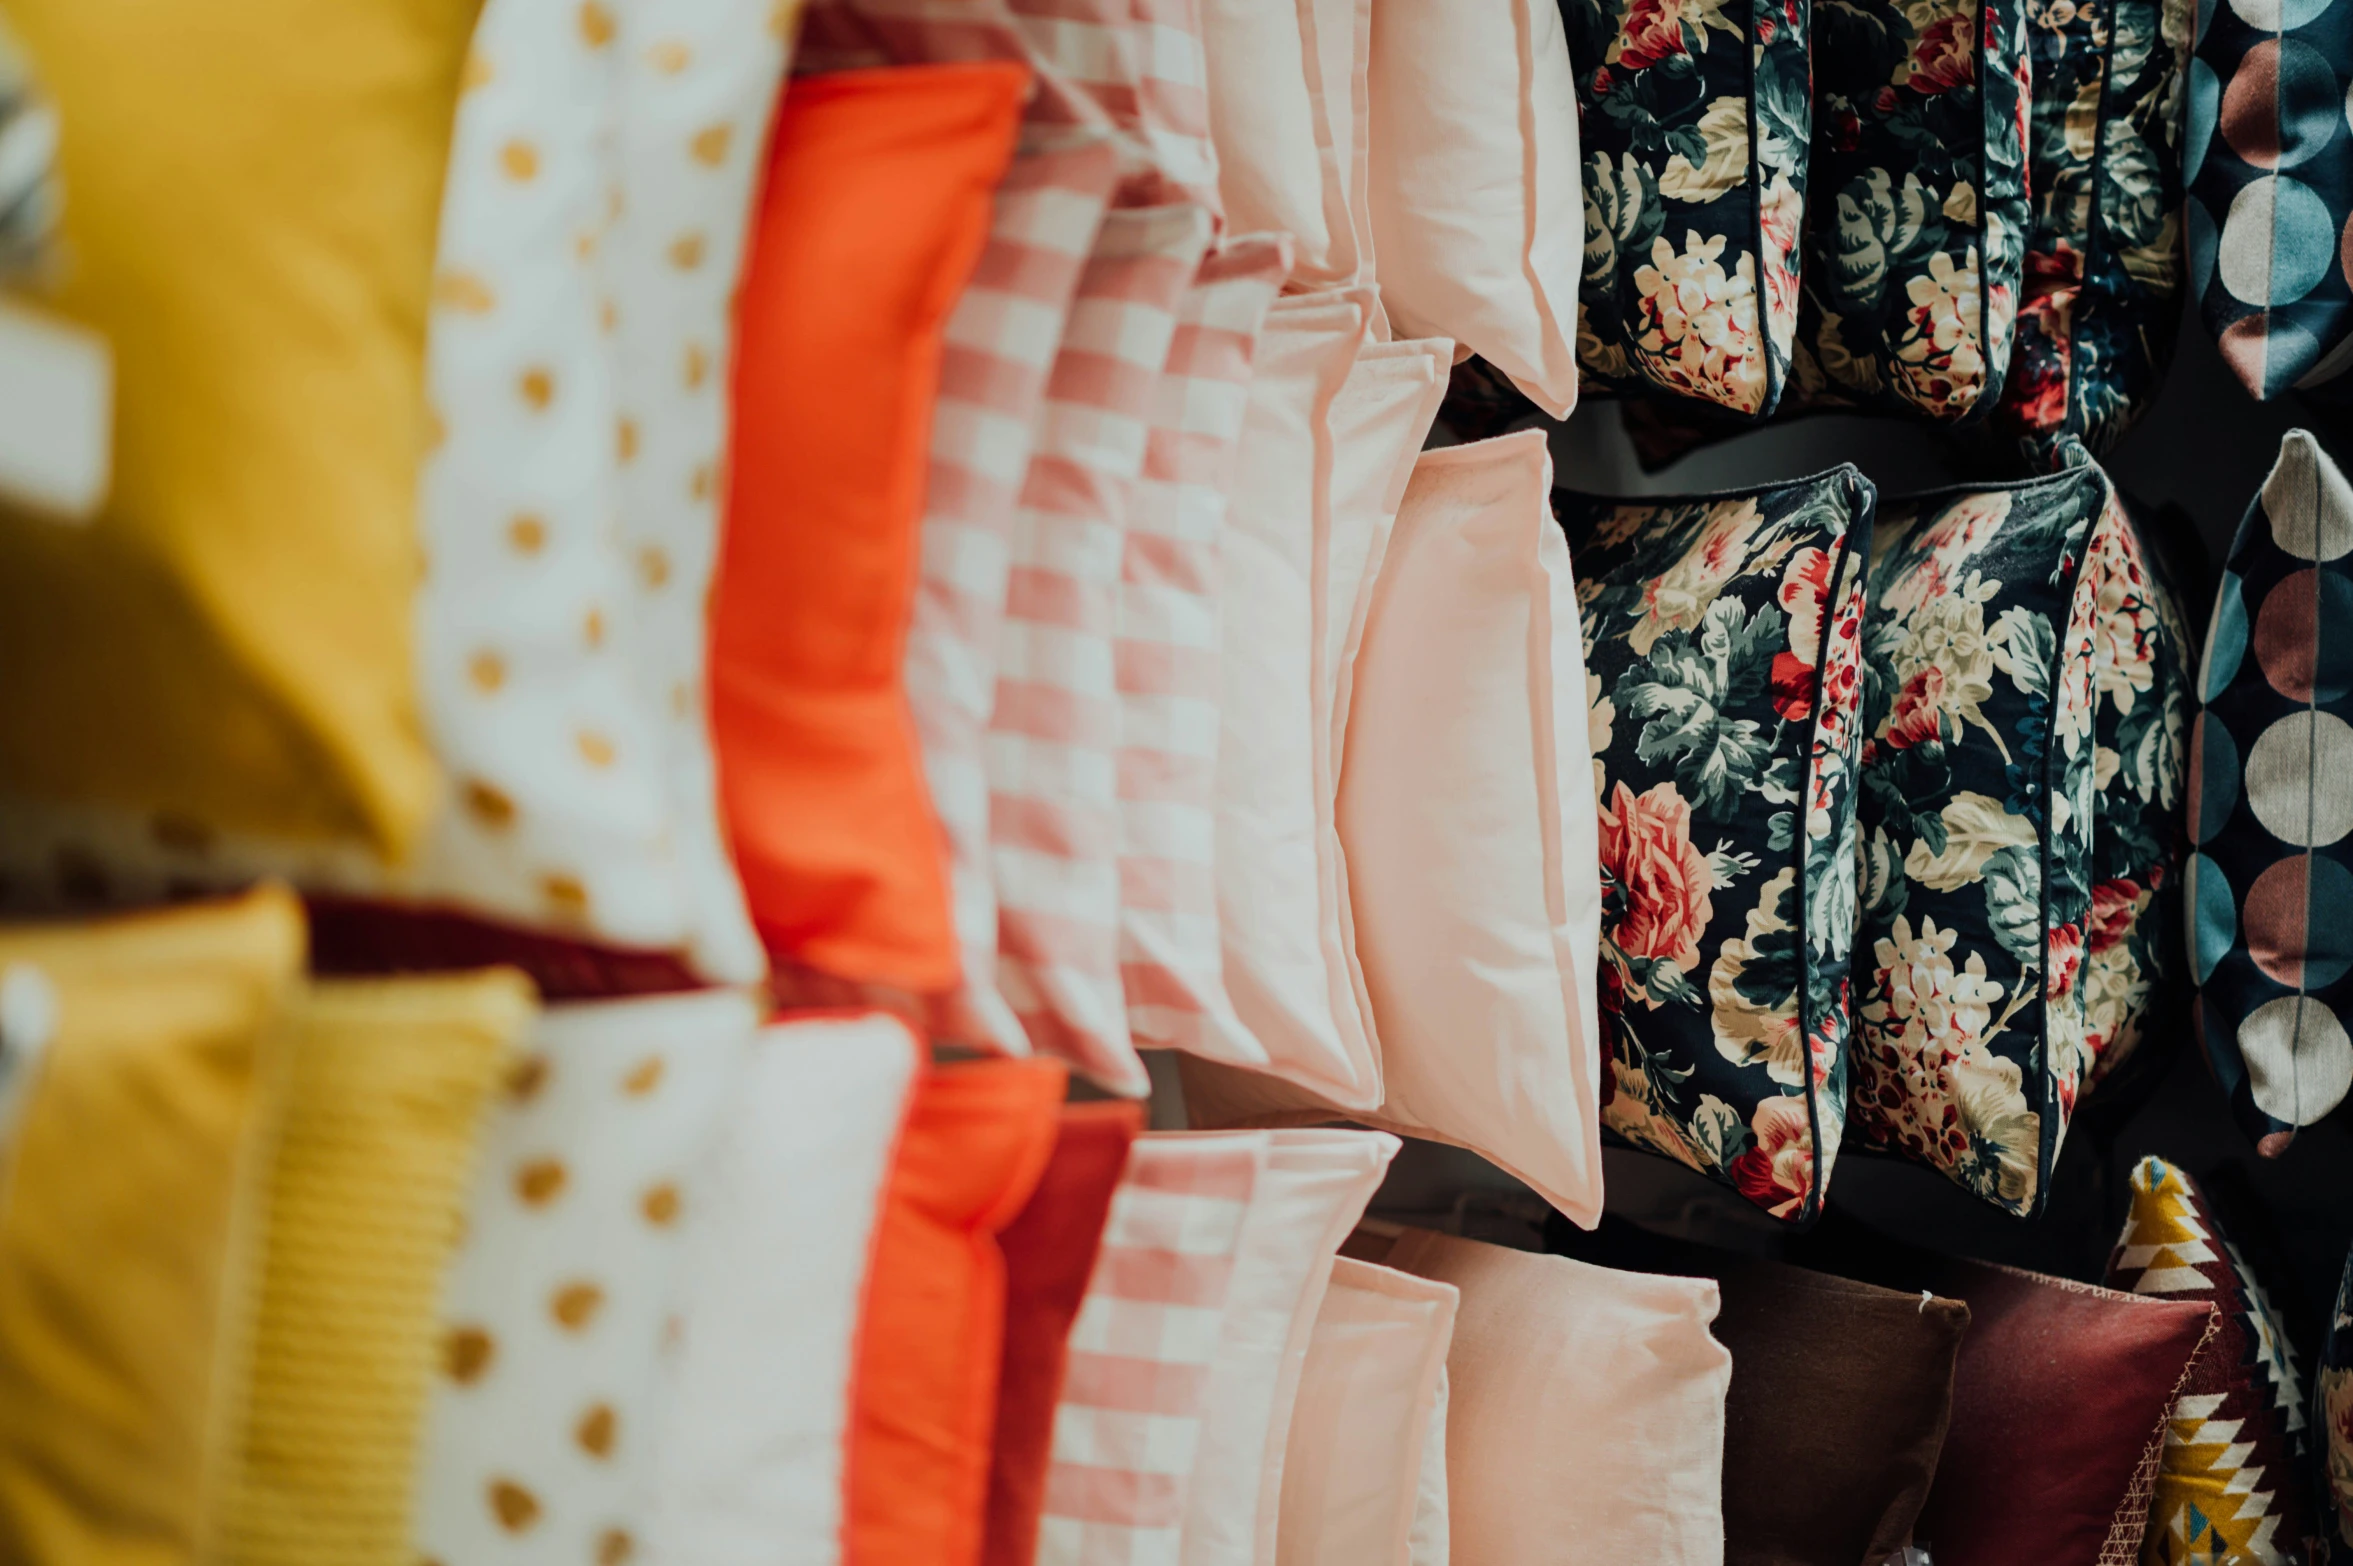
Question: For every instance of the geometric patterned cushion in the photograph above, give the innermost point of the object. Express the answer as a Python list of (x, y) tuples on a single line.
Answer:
[(2231, 1487), (2271, 805)]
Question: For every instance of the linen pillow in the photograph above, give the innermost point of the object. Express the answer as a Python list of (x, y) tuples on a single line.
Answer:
[(127, 1279), (1271, 897), (2270, 806), (931, 1328), (1474, 195), (1309, 1195), (539, 1441), (2332, 1408), (1582, 1403), (1336, 48), (1724, 671), (1919, 219), (1828, 1453), (875, 210), (2103, 247), (698, 86), (1128, 1428), (1166, 657), (242, 623), (366, 1190), (756, 1398), (1269, 169), (1372, 1386), (1050, 1251), (1978, 810), (1695, 135), (1053, 744), (2231, 1485)]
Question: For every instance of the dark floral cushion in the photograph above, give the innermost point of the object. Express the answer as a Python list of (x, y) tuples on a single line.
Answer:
[(2023, 713), (1919, 215), (2271, 805), (2103, 252), (1694, 118), (1724, 667), (2332, 1411)]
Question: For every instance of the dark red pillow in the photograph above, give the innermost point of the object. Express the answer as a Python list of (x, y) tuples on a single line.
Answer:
[(1049, 1254)]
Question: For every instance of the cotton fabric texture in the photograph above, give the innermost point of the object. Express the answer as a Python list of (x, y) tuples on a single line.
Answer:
[(383, 1107), (1369, 1398), (756, 1395), (931, 1329), (1582, 1403), (2232, 1485), (128, 1282), (874, 214), (1263, 126), (541, 1437), (1980, 797), (1050, 1250), (2104, 247), (2270, 805), (1724, 676), (244, 625), (1474, 194), (1918, 225), (1695, 131)]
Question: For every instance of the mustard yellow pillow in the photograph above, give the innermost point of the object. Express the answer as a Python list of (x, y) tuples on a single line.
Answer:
[(123, 1262), (384, 1103), (251, 191)]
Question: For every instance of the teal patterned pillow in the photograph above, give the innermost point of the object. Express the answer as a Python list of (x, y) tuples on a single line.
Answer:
[(1918, 228), (1694, 117), (1723, 658), (2023, 707)]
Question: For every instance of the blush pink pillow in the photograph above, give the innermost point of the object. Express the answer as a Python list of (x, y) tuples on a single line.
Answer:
[(1361, 1430), (1475, 200), (1270, 170), (1336, 48), (1585, 1405)]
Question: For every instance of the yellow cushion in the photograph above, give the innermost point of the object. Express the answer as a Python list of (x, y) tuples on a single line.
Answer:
[(387, 1092), (123, 1262), (251, 190)]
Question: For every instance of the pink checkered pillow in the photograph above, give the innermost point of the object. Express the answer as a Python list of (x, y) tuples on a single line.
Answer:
[(1167, 660), (1129, 1423), (1054, 738)]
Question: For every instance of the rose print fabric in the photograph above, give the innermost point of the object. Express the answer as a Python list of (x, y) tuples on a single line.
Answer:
[(2103, 249), (1695, 116), (1919, 218), (1984, 678), (1724, 676)]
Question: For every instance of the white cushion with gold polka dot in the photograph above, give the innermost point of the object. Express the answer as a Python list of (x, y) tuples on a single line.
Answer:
[(563, 1301)]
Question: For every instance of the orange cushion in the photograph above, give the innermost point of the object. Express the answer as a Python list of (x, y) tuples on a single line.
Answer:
[(923, 1389), (877, 203)]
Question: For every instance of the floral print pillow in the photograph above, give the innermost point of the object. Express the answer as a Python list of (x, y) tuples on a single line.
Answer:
[(2013, 702), (1919, 219), (1694, 118), (2104, 242), (1723, 657)]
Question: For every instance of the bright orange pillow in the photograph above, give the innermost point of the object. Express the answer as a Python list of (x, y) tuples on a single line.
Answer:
[(923, 1388), (877, 203)]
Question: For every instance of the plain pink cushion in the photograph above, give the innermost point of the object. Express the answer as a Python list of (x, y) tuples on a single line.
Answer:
[(1586, 1411), (1336, 47), (1352, 1479), (1269, 166)]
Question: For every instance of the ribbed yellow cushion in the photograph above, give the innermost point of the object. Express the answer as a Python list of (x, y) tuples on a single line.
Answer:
[(386, 1098), (251, 193), (124, 1262)]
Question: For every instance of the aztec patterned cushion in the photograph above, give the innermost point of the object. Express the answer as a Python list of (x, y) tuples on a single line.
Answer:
[(2269, 166), (2271, 805), (2332, 1407), (1919, 217), (1695, 121), (2231, 1487), (1723, 666), (2103, 249), (1977, 817)]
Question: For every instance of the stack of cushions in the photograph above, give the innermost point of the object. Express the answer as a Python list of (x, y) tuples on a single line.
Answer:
[(2269, 808), (1724, 659), (2232, 1484)]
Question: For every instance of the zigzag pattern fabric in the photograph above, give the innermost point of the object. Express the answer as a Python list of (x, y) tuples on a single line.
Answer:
[(2230, 1491)]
